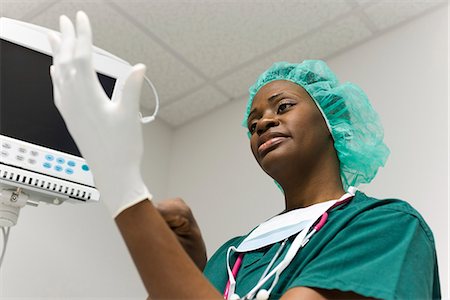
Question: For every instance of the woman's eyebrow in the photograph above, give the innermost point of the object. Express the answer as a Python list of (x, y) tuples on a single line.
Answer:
[(274, 97), (270, 99)]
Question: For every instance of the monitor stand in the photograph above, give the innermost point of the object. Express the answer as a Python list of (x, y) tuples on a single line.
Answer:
[(12, 199)]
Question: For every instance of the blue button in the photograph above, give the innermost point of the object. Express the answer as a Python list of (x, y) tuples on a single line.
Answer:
[(47, 165), (58, 168), (60, 160), (71, 163), (85, 167), (49, 157), (69, 171)]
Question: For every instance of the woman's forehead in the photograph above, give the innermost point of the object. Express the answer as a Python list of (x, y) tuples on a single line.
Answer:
[(276, 87)]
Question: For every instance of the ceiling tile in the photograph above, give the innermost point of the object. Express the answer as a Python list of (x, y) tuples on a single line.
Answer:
[(237, 83), (364, 2), (186, 44), (115, 34), (317, 45), (386, 13), (194, 105), (18, 9), (202, 31)]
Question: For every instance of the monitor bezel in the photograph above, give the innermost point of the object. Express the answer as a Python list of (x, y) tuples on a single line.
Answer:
[(36, 38)]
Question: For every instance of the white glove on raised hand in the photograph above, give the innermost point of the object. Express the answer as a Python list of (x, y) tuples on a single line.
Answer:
[(108, 133)]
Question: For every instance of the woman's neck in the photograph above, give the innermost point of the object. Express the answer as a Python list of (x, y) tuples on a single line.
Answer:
[(316, 191), (319, 183)]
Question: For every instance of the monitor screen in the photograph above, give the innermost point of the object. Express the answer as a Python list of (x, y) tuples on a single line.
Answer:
[(27, 110)]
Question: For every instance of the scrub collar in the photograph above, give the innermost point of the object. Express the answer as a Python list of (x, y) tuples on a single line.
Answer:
[(288, 224)]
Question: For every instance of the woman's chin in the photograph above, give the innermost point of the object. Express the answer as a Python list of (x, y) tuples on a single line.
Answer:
[(273, 163)]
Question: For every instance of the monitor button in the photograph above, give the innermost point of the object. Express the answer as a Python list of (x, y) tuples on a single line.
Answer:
[(34, 153), (49, 157), (32, 161), (69, 171), (6, 146), (71, 163), (58, 168), (47, 165), (22, 150), (60, 160), (20, 158), (85, 167), (4, 153)]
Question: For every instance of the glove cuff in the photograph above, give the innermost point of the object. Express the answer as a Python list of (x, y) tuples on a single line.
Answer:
[(128, 196), (142, 197)]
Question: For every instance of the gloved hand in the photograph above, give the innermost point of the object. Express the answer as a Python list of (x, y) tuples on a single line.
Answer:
[(108, 133)]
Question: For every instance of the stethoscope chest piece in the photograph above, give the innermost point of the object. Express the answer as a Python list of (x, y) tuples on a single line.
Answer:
[(262, 295)]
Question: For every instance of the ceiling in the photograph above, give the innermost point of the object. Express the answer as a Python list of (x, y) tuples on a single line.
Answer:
[(203, 54)]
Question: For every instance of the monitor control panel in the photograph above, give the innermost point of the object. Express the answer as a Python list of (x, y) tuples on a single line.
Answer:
[(44, 161)]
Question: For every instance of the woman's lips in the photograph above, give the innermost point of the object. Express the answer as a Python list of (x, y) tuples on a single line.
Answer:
[(270, 145)]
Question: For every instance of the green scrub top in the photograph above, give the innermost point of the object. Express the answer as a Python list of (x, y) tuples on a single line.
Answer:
[(375, 248)]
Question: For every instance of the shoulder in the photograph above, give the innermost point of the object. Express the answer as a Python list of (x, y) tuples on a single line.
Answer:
[(372, 247), (391, 210)]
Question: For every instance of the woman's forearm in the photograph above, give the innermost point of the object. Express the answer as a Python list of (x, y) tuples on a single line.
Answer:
[(165, 268)]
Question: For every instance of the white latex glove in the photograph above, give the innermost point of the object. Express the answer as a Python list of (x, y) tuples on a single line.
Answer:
[(108, 133)]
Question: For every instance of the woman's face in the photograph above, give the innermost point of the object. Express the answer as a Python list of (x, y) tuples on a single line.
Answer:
[(287, 129)]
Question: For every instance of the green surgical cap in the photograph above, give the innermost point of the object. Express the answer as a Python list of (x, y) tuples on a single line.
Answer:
[(351, 119)]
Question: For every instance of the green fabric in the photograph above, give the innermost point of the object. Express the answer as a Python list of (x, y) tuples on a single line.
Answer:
[(375, 248)]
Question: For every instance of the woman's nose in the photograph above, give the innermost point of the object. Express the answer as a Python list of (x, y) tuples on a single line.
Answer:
[(265, 123)]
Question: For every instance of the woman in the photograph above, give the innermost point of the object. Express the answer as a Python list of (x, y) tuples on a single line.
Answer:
[(317, 139)]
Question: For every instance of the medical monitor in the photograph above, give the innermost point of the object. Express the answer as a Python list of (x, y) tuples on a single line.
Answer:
[(37, 152)]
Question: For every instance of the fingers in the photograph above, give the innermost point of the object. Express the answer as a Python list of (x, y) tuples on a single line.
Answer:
[(84, 26), (66, 50), (84, 37), (72, 51), (132, 89), (73, 67), (66, 27), (73, 44), (83, 46), (178, 217), (175, 206)]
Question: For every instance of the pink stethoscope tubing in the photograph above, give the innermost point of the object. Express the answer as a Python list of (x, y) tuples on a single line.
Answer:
[(317, 227), (236, 267)]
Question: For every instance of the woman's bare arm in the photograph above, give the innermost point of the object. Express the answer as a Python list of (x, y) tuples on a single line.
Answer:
[(165, 268)]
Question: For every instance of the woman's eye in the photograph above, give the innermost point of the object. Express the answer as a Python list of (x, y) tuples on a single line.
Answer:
[(283, 106), (252, 127)]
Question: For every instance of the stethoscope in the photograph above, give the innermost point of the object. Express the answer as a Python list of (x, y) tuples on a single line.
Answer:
[(299, 242)]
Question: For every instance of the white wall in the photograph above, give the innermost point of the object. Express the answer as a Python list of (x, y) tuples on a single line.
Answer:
[(70, 251), (404, 72), (75, 250)]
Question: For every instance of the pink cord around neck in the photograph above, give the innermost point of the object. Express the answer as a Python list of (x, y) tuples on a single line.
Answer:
[(320, 224), (235, 270)]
